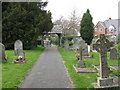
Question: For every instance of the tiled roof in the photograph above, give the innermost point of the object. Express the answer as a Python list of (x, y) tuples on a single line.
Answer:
[(56, 29), (113, 22)]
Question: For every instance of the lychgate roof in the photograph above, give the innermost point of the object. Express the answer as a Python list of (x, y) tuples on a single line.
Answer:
[(56, 29)]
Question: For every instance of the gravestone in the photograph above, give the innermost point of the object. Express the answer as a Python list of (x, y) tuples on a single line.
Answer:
[(85, 51), (2, 53), (76, 44), (113, 54), (83, 46), (103, 46), (18, 47), (66, 45)]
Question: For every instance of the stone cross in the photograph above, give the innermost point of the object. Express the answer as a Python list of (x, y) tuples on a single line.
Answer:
[(82, 47), (103, 46), (18, 47)]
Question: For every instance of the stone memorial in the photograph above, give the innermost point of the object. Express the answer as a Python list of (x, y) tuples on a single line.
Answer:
[(2, 53), (80, 66), (47, 43), (83, 47), (81, 63), (76, 44), (102, 46), (66, 45), (113, 54), (18, 47)]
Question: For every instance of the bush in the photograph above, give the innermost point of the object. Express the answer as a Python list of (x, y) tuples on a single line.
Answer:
[(70, 43), (66, 38)]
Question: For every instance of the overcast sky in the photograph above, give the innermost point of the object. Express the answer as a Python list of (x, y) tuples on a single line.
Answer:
[(99, 9)]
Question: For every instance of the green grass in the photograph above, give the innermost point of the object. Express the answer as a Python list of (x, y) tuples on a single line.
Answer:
[(12, 74), (82, 80)]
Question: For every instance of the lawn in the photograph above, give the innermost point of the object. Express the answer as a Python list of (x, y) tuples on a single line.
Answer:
[(12, 74), (82, 80)]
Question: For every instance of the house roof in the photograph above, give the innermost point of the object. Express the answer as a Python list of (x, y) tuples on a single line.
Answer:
[(113, 22)]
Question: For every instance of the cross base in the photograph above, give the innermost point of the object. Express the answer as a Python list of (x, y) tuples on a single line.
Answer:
[(104, 83)]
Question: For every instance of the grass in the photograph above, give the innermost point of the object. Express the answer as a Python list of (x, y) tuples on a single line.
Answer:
[(82, 80), (12, 74)]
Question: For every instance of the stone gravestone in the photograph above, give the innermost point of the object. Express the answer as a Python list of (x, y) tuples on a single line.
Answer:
[(18, 47), (2, 53), (76, 44), (113, 54), (85, 50), (103, 46), (66, 45), (83, 46)]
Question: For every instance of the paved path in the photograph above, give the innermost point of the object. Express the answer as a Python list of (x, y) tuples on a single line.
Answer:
[(48, 72)]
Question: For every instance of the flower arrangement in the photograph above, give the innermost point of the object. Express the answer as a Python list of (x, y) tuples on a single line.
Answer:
[(20, 59), (78, 56)]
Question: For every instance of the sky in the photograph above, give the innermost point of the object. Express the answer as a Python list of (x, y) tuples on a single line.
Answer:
[(99, 9)]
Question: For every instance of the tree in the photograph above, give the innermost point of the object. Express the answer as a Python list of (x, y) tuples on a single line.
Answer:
[(71, 25), (87, 29), (25, 21), (74, 24)]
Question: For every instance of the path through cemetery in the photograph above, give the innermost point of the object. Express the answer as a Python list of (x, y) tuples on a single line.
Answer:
[(48, 72)]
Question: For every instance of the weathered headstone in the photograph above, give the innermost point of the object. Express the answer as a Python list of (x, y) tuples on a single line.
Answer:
[(113, 54), (66, 45), (83, 46), (18, 47), (76, 44), (85, 51), (2, 53), (103, 46)]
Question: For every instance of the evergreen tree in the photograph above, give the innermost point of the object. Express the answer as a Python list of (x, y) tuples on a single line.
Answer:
[(25, 21), (86, 27)]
